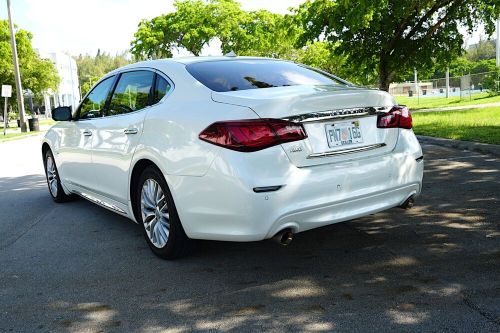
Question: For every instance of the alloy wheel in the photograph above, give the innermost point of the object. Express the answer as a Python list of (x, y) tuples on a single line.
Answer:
[(155, 214), (52, 176)]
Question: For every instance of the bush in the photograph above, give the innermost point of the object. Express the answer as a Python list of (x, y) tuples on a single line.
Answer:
[(13, 116)]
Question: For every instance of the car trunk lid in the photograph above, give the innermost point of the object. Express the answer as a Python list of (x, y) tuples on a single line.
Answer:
[(340, 121)]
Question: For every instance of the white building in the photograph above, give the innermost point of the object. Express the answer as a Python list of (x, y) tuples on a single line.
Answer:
[(68, 92)]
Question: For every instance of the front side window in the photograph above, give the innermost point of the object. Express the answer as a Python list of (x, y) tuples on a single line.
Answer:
[(232, 75), (131, 92), (93, 105)]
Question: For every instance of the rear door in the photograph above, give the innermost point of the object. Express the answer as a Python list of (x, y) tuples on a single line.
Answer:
[(116, 136)]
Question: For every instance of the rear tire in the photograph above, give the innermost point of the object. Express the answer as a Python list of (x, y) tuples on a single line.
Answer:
[(156, 213), (53, 180)]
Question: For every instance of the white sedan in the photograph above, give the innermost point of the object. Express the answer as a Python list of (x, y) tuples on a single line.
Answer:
[(232, 149)]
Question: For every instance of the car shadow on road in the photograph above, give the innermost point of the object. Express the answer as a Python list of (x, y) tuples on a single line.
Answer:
[(432, 268)]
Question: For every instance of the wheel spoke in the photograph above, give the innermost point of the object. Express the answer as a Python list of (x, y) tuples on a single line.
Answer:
[(52, 180), (154, 212)]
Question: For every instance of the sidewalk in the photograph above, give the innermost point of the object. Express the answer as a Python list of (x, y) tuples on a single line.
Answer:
[(462, 107)]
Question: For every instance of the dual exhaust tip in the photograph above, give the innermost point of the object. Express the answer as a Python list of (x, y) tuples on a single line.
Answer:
[(408, 203), (284, 237)]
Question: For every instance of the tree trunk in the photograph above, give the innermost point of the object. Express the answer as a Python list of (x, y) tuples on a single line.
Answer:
[(385, 74)]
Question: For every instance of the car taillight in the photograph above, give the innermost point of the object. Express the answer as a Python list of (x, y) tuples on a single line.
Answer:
[(397, 117), (252, 135)]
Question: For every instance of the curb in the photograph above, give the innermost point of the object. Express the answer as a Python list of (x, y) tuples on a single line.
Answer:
[(463, 145)]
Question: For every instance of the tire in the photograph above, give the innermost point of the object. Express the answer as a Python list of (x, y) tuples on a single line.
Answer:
[(156, 213), (53, 180)]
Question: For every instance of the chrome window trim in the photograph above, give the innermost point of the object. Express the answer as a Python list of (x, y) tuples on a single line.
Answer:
[(118, 74)]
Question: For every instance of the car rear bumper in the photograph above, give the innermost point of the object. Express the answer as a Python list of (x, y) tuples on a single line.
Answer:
[(222, 204)]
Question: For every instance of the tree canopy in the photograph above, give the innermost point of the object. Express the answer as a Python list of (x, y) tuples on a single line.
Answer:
[(394, 36), (92, 68), (484, 49), (365, 41), (195, 23), (37, 74)]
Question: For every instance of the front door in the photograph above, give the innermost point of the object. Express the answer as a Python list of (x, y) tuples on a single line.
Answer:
[(74, 154)]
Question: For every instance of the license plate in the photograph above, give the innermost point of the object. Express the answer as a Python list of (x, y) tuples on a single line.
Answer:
[(342, 134)]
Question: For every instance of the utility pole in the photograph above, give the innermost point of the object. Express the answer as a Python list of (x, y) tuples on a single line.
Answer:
[(417, 86), (19, 88), (498, 43), (447, 82)]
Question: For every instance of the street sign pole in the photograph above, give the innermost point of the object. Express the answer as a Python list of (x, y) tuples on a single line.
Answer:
[(5, 117), (6, 92), (17, 76)]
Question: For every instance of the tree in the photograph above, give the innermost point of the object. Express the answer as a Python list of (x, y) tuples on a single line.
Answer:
[(394, 36), (195, 23), (483, 50), (191, 26), (38, 75), (90, 68)]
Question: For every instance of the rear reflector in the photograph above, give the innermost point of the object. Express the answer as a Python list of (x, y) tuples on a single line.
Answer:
[(252, 135), (398, 117)]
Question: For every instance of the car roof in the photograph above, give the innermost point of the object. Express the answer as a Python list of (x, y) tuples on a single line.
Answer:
[(183, 61), (191, 60)]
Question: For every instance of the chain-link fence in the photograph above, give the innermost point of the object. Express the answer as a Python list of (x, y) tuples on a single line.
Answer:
[(463, 86)]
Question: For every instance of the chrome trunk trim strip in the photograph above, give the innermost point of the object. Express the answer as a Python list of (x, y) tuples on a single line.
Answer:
[(347, 151), (337, 114)]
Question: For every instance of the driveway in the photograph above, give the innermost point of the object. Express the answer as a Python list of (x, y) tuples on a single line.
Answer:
[(77, 267)]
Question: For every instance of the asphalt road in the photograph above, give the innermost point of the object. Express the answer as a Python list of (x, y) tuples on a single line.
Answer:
[(76, 267)]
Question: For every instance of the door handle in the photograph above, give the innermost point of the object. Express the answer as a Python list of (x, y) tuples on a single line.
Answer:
[(131, 131), (87, 133)]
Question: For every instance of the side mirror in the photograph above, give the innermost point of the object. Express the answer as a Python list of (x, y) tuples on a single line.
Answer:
[(62, 113)]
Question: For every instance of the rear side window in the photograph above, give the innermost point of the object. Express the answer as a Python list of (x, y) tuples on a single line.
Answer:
[(131, 92), (162, 87), (232, 75)]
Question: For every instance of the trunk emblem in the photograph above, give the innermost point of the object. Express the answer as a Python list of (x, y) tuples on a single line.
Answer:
[(295, 149)]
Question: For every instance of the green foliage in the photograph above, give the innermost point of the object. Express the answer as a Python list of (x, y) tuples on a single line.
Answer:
[(195, 23), (191, 26), (37, 75), (395, 36), (483, 50), (92, 68)]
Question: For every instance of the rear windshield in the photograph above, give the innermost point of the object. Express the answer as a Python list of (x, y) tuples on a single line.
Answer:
[(232, 75)]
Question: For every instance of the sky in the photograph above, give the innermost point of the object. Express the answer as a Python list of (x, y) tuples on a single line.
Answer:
[(83, 26)]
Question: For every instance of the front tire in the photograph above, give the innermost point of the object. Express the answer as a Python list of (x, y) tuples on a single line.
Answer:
[(158, 216), (53, 180)]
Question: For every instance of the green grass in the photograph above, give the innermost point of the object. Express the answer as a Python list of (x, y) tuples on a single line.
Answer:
[(13, 132), (16, 135), (480, 125), (435, 102)]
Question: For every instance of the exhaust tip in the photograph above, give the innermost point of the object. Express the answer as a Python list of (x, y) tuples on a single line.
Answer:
[(284, 237), (408, 203)]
